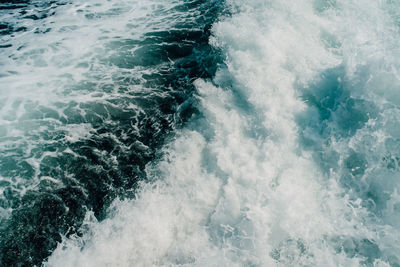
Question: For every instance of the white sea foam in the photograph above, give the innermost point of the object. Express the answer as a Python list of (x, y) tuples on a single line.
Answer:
[(45, 69), (296, 161), (63, 74)]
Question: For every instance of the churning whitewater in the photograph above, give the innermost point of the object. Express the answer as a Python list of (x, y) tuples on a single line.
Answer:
[(200, 133)]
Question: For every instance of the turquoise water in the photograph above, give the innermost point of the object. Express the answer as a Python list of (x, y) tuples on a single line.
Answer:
[(194, 133), (89, 93)]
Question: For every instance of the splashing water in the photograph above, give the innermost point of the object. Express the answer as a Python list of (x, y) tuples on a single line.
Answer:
[(291, 160), (294, 161), (89, 92)]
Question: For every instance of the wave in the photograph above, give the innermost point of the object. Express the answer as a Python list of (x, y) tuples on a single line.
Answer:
[(287, 155), (89, 93), (293, 161)]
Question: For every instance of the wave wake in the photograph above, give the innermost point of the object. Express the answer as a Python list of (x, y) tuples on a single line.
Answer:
[(294, 159), (90, 91)]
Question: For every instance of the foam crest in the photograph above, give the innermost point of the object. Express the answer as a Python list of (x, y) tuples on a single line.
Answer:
[(89, 91), (294, 161)]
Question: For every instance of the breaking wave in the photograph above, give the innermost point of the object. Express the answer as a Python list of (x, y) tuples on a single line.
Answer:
[(275, 142)]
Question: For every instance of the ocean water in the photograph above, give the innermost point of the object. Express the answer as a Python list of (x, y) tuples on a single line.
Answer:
[(200, 133), (89, 93)]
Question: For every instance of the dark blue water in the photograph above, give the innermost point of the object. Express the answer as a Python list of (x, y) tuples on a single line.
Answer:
[(51, 179), (199, 133)]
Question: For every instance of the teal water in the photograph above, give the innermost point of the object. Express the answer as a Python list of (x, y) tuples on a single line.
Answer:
[(235, 133), (89, 93)]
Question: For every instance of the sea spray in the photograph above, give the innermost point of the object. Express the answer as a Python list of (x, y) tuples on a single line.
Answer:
[(294, 160), (89, 92), (291, 158)]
